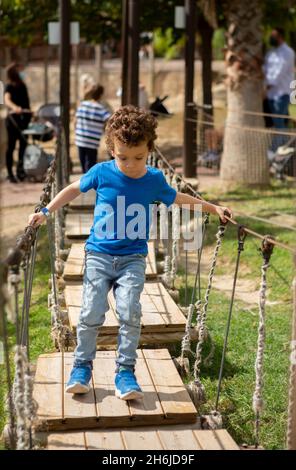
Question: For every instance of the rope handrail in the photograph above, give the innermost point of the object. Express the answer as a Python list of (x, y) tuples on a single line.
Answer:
[(233, 221), (262, 219), (257, 113), (263, 237), (204, 108), (261, 130), (180, 177)]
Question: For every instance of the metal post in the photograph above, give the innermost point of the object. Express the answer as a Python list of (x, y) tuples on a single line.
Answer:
[(46, 51), (124, 39), (133, 52), (189, 164), (152, 66), (99, 62), (65, 75), (76, 73)]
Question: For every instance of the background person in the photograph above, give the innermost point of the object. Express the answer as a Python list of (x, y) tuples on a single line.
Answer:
[(91, 118), (16, 99), (279, 73)]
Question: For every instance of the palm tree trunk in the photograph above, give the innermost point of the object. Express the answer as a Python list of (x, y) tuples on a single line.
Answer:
[(244, 159)]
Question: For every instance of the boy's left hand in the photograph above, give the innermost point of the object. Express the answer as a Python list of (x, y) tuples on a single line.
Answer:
[(222, 211)]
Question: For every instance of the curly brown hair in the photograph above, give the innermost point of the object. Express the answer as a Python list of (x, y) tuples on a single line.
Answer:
[(131, 126)]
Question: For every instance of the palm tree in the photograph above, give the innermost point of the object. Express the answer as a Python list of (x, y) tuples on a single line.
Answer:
[(244, 158)]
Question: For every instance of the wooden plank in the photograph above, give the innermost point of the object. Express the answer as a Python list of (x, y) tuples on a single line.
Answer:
[(227, 443), (78, 225), (74, 266), (145, 339), (152, 320), (78, 408), (100, 408), (169, 386), (208, 440), (73, 299), (110, 408), (178, 438), (145, 439), (84, 202), (104, 440), (53, 410), (150, 406), (173, 437), (66, 441), (168, 309), (48, 387)]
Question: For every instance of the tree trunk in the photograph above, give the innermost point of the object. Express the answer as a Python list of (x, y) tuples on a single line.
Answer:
[(98, 62), (206, 32), (244, 159)]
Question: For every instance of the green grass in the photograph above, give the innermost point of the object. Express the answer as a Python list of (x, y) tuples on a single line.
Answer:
[(239, 376), (238, 380)]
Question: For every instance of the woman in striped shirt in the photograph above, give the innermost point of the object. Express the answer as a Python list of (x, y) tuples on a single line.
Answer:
[(91, 118)]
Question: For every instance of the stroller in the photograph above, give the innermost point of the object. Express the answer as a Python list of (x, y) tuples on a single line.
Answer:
[(158, 109), (283, 161), (36, 160)]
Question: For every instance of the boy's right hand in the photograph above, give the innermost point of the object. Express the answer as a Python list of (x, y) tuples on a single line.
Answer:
[(36, 219)]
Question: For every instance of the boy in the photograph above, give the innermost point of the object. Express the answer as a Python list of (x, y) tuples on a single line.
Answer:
[(91, 117), (115, 257)]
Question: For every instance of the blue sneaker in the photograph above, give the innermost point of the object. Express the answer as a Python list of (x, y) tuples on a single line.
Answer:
[(126, 386), (79, 379)]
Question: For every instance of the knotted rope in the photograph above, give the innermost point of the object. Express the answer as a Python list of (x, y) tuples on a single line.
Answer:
[(266, 251), (175, 234), (196, 388), (24, 404)]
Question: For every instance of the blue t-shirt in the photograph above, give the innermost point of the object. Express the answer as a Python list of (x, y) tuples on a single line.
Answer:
[(123, 210)]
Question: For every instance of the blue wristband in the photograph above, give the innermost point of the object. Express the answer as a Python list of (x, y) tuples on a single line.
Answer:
[(45, 211)]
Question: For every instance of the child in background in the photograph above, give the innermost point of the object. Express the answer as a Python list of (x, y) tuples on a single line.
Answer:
[(91, 117), (116, 248)]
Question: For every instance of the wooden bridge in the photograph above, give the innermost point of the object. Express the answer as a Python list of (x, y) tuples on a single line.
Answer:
[(166, 418)]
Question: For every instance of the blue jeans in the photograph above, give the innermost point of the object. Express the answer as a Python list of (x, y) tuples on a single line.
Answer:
[(279, 105), (126, 274), (88, 158)]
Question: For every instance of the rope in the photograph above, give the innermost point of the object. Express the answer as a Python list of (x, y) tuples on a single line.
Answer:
[(291, 441), (263, 237), (266, 221), (11, 426), (266, 251), (196, 388), (24, 404), (182, 362), (257, 113), (241, 240), (186, 186), (22, 407), (165, 234), (175, 234), (60, 332), (261, 130)]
